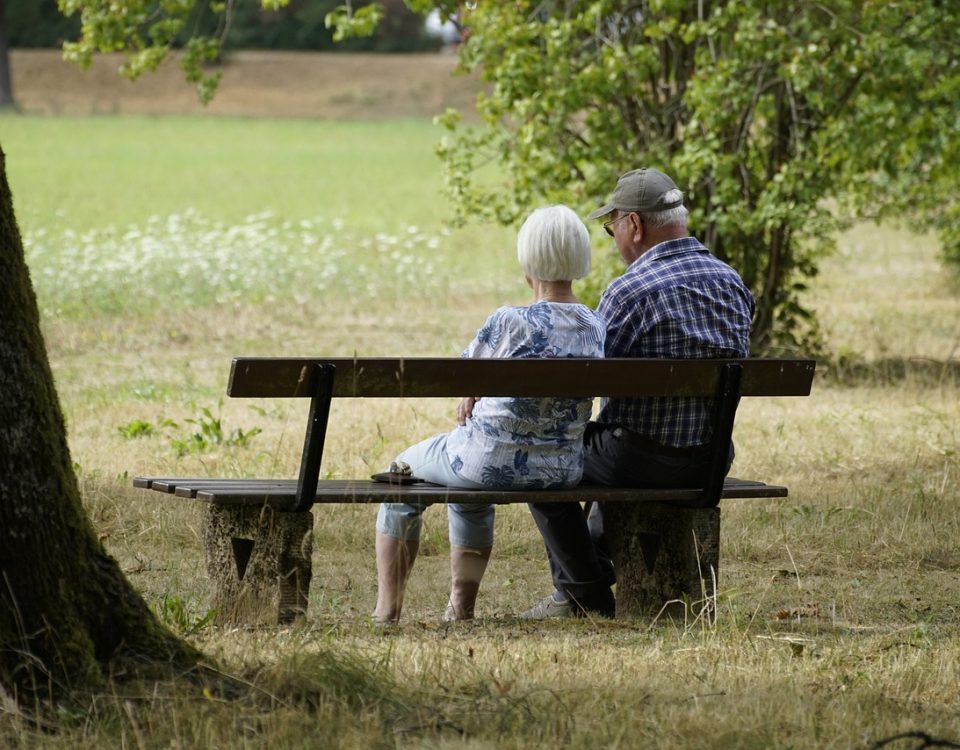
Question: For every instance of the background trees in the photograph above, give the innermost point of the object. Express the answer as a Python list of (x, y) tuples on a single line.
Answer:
[(298, 25), (204, 29)]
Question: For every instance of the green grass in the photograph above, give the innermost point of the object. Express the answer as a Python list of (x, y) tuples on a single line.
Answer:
[(98, 171), (838, 620), (121, 216)]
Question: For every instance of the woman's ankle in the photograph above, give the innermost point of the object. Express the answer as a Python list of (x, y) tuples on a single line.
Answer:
[(467, 566)]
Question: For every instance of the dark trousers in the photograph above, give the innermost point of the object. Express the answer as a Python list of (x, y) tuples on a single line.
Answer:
[(579, 560)]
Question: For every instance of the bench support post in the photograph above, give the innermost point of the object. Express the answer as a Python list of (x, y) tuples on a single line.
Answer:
[(725, 409), (259, 562), (667, 558), (314, 438)]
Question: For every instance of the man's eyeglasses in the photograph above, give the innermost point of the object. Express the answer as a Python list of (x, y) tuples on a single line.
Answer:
[(607, 225)]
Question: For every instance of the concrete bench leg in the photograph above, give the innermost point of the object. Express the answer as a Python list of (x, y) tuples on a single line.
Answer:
[(663, 555), (259, 562)]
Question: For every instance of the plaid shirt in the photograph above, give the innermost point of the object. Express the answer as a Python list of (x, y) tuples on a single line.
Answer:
[(675, 301)]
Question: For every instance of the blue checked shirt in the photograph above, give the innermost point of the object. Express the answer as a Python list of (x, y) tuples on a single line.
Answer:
[(675, 301)]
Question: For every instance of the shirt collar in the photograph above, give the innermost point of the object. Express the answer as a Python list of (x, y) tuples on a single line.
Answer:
[(671, 247)]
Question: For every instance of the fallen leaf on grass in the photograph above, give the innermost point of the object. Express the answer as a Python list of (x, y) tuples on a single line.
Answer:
[(795, 613)]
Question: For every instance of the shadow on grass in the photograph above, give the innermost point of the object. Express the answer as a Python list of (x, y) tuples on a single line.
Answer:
[(325, 697)]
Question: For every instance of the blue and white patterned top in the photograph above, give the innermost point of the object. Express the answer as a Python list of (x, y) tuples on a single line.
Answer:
[(528, 443), (675, 301)]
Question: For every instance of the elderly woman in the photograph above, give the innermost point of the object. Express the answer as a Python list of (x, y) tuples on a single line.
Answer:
[(505, 443)]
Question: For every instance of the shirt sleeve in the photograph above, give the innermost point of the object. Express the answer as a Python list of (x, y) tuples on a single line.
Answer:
[(617, 324), (492, 339)]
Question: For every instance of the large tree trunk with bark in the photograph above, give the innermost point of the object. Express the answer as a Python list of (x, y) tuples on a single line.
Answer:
[(68, 616)]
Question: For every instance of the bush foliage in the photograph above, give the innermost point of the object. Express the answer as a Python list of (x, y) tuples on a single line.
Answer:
[(782, 122)]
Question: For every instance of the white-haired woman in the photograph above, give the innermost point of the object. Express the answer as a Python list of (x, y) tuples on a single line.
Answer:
[(506, 443)]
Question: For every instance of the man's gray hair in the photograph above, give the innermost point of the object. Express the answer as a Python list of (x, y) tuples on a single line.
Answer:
[(554, 245), (671, 217)]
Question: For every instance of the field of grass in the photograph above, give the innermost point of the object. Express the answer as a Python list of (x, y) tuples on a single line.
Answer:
[(161, 247)]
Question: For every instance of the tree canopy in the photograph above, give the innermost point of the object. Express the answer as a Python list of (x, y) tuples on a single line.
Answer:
[(781, 121)]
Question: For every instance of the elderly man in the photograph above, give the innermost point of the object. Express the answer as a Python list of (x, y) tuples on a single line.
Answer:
[(675, 300)]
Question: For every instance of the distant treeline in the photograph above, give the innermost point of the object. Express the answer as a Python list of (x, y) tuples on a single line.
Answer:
[(299, 26)]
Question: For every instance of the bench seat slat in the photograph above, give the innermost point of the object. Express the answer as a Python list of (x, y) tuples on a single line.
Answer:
[(174, 485), (280, 493)]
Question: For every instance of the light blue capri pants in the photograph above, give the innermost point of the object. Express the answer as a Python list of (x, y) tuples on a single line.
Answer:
[(471, 525)]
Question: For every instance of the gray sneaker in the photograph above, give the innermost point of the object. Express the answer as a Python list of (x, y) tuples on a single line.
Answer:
[(549, 608)]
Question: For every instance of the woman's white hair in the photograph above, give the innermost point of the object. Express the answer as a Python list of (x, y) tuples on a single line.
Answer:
[(554, 245)]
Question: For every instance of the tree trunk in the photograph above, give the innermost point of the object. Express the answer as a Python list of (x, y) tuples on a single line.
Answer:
[(6, 87), (68, 616)]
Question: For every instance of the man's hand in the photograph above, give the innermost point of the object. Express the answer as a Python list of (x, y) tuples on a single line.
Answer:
[(465, 408)]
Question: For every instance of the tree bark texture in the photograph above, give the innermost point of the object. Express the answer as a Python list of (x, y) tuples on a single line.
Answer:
[(68, 616)]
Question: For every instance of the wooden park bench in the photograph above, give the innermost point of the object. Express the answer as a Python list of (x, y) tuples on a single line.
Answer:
[(665, 543)]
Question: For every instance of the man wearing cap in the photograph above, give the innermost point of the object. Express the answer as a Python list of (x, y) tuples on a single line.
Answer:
[(675, 300)]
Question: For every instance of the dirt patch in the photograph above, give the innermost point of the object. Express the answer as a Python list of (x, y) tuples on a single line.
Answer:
[(339, 86)]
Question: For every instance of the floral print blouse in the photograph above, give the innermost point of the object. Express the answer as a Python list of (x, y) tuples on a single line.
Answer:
[(528, 443)]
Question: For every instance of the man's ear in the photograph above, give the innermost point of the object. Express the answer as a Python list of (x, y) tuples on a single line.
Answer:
[(636, 225)]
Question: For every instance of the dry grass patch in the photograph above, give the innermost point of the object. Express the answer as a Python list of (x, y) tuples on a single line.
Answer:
[(255, 83)]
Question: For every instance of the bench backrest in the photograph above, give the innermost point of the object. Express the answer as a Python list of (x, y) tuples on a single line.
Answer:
[(426, 377), (322, 379)]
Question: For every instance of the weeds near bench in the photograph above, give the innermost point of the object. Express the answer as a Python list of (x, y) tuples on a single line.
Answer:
[(178, 613), (139, 428), (210, 433)]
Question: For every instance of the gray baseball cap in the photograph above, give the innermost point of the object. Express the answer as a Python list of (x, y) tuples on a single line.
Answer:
[(642, 191)]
